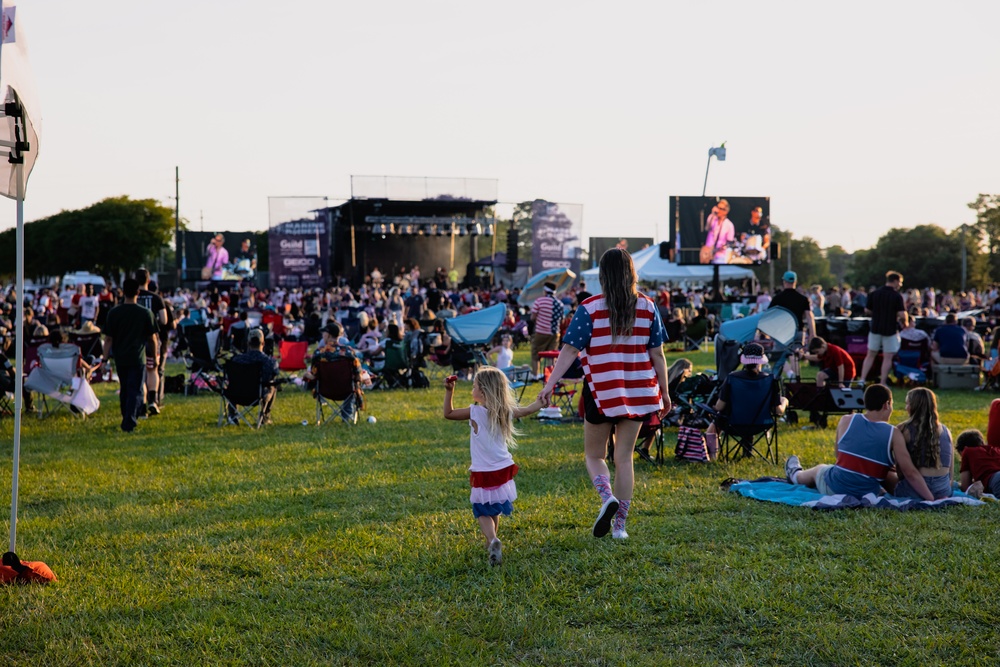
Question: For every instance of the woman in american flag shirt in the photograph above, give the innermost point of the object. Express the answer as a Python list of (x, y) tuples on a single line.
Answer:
[(619, 338)]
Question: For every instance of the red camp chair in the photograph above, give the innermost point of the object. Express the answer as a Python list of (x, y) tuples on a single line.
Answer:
[(293, 355)]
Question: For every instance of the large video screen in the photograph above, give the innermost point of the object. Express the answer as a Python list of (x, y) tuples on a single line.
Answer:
[(721, 230)]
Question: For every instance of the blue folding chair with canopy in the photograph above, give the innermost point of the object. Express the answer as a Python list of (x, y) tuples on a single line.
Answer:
[(775, 329), (470, 334)]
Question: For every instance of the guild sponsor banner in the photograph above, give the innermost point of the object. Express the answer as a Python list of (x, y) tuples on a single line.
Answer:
[(557, 231), (299, 253)]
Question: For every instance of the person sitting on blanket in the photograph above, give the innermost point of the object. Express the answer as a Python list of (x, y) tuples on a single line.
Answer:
[(752, 357), (867, 447), (980, 464), (929, 444)]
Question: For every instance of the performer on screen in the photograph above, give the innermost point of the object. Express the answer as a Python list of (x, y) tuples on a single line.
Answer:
[(757, 239), (721, 232), (218, 257), (246, 260)]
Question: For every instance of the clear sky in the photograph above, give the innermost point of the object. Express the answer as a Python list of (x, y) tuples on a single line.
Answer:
[(853, 116)]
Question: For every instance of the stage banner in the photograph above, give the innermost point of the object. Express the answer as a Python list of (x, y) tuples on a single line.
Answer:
[(557, 232), (300, 253), (299, 241)]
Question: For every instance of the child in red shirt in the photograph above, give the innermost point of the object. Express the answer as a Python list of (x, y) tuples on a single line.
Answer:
[(980, 464), (836, 364)]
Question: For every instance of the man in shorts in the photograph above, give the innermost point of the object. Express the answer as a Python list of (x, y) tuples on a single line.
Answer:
[(887, 310), (867, 448)]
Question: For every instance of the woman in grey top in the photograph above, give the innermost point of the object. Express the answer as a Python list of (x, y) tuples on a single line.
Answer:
[(929, 443)]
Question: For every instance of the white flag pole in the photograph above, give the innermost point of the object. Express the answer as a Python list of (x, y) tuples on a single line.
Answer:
[(19, 346)]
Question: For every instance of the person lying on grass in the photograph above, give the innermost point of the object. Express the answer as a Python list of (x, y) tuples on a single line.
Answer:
[(867, 447), (492, 435), (980, 464)]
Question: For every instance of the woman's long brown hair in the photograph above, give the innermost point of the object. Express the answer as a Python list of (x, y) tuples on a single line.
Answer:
[(618, 283)]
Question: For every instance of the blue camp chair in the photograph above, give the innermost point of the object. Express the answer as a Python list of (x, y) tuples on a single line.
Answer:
[(749, 425), (470, 333)]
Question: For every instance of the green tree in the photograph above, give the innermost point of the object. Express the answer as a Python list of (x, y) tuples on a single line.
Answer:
[(808, 260), (114, 235), (987, 208), (926, 255), (840, 263)]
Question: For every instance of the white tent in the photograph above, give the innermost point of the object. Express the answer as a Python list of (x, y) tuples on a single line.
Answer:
[(651, 268)]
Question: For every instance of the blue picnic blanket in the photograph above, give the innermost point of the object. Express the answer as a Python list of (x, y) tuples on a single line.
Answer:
[(775, 490)]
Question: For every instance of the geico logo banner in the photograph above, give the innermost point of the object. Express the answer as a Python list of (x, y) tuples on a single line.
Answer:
[(299, 261)]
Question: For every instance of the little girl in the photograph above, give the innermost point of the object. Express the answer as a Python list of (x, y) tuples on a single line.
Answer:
[(491, 420)]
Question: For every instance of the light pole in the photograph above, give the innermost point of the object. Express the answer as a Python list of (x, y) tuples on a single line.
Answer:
[(720, 155), (965, 258)]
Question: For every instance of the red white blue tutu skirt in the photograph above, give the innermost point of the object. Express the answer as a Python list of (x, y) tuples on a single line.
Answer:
[(493, 492)]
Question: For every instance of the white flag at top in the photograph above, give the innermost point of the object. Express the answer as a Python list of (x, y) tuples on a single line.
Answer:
[(16, 84)]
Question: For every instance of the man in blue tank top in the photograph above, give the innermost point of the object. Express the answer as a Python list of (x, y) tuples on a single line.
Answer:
[(866, 449)]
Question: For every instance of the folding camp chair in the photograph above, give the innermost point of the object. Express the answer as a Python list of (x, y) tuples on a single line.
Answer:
[(201, 356), (395, 372), (565, 391), (470, 333), (238, 338), (90, 344), (6, 386), (53, 378), (519, 378), (275, 322), (242, 391), (912, 362), (293, 355), (337, 390), (749, 425)]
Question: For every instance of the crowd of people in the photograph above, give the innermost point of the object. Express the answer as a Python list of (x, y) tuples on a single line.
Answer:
[(404, 311)]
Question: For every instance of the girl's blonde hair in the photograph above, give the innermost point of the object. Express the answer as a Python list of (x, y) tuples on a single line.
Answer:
[(499, 401)]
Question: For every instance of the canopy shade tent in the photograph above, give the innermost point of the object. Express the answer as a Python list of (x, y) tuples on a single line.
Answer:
[(651, 268)]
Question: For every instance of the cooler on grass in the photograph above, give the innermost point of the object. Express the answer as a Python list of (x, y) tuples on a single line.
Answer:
[(956, 377)]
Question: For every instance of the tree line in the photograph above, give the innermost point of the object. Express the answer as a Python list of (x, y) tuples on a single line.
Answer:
[(114, 235), (120, 234), (926, 255)]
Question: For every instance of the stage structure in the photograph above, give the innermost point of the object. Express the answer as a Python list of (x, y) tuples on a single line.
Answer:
[(394, 223)]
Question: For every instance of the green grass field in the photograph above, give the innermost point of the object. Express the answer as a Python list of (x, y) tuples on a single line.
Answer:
[(187, 544)]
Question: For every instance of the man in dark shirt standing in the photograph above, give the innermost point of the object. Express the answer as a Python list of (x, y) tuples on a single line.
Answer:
[(148, 298), (791, 299), (887, 310), (129, 332)]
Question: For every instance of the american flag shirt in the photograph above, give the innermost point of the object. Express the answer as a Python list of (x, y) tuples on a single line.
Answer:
[(620, 374)]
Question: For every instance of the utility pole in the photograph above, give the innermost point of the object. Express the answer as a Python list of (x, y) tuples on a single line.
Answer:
[(178, 242)]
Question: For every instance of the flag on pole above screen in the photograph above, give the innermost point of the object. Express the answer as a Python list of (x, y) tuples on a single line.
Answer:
[(16, 85)]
